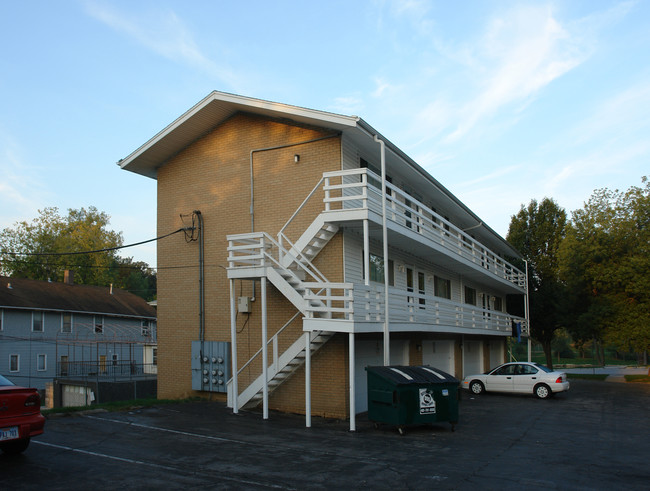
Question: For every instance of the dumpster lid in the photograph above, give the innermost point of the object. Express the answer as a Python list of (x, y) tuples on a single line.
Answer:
[(413, 375)]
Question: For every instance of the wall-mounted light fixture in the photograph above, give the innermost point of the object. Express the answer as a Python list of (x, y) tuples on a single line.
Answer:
[(296, 158)]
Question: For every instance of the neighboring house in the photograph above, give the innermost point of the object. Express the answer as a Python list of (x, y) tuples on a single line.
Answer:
[(50, 330), (287, 245)]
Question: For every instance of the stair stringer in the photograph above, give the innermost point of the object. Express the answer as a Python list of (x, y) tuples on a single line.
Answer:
[(312, 241), (288, 363)]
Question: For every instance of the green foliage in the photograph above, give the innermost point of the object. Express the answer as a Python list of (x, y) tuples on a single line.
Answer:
[(537, 232), (605, 263), (81, 230)]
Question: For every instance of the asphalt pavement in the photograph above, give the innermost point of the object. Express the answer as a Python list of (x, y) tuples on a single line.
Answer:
[(596, 436)]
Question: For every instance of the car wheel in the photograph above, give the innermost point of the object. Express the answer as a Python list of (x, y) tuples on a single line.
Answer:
[(15, 446), (476, 387), (543, 391)]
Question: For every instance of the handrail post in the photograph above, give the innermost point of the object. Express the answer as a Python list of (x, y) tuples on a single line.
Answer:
[(327, 194)]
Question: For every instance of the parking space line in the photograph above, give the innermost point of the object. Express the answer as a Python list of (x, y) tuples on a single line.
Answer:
[(106, 456), (151, 464), (176, 432)]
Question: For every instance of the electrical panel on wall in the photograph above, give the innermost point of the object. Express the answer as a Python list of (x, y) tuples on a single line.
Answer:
[(210, 365)]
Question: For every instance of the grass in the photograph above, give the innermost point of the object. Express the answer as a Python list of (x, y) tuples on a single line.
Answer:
[(118, 405)]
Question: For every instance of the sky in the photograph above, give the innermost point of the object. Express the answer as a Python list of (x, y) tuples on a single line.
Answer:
[(501, 101)]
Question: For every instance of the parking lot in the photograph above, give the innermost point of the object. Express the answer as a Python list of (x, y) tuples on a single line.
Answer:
[(597, 436)]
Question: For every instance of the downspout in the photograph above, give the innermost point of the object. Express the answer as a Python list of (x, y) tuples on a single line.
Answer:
[(382, 147), (199, 217)]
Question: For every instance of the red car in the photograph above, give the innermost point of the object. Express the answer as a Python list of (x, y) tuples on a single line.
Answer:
[(20, 416)]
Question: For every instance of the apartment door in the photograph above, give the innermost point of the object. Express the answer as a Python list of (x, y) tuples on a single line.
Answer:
[(439, 354), (371, 353), (415, 284), (472, 357)]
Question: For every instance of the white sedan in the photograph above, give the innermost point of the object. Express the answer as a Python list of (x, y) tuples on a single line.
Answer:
[(519, 377)]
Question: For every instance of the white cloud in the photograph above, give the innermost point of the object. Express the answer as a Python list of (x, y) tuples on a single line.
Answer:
[(520, 53), (164, 33)]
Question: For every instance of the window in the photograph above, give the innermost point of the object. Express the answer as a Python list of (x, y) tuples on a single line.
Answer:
[(377, 269), (421, 299), (144, 326), (155, 356), (442, 287), (374, 182), (41, 363), (470, 295), (14, 363), (115, 359), (99, 324), (64, 365), (37, 321), (66, 323), (498, 304)]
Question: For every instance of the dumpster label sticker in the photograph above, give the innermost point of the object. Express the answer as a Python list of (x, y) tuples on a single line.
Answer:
[(427, 402)]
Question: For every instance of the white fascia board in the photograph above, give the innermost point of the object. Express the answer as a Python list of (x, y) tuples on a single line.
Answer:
[(247, 104)]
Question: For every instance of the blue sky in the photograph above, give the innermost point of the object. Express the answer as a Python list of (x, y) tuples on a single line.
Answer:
[(501, 101)]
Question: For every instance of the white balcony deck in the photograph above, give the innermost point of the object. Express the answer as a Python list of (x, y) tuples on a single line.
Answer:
[(411, 222)]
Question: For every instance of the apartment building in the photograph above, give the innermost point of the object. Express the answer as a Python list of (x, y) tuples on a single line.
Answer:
[(312, 248)]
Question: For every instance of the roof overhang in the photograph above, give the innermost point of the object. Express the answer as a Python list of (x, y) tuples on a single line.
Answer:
[(217, 107), (210, 113)]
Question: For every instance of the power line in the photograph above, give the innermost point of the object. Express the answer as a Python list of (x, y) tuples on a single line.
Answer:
[(108, 249)]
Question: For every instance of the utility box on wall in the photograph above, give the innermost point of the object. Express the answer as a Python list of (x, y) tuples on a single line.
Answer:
[(210, 365)]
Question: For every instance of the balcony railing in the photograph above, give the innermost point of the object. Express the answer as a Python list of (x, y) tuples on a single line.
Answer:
[(411, 307), (358, 302), (116, 370), (359, 189)]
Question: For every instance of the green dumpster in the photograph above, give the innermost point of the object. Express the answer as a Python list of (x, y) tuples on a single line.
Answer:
[(401, 395)]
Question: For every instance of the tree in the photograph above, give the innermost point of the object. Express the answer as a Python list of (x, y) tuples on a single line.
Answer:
[(537, 231), (605, 263), (36, 250)]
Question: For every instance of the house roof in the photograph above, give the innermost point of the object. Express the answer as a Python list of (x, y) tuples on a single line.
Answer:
[(211, 111), (21, 293)]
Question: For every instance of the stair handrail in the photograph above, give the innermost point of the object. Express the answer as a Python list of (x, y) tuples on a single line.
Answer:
[(295, 213), (263, 240), (271, 341)]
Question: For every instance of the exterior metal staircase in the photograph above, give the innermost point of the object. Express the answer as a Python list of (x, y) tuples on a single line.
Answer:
[(287, 272)]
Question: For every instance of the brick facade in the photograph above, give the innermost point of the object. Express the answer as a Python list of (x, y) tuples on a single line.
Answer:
[(212, 175)]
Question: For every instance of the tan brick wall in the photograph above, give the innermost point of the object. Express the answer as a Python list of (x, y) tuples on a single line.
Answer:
[(213, 175)]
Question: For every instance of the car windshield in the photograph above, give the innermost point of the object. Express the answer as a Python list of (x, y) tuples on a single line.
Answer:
[(4, 381), (542, 367)]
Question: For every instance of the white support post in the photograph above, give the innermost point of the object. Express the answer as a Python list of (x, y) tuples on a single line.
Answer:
[(308, 379), (265, 357), (351, 368), (366, 253), (233, 345), (382, 148)]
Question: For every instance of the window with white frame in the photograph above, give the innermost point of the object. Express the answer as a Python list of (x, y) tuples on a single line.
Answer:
[(99, 324), (498, 304), (37, 321), (470, 295), (41, 362), (442, 287), (377, 269), (155, 356), (144, 326), (66, 323), (14, 363)]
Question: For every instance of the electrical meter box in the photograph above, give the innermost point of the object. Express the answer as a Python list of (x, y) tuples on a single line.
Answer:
[(244, 305), (211, 365)]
